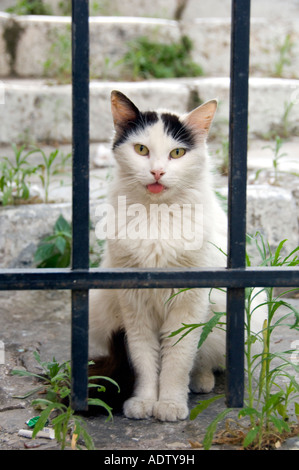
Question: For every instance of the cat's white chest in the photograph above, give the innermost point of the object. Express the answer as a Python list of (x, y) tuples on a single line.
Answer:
[(158, 237)]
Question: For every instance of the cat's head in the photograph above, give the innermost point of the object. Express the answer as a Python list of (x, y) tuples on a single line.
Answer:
[(160, 152)]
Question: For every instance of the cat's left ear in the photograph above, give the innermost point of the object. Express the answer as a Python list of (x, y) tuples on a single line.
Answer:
[(200, 119), (123, 110)]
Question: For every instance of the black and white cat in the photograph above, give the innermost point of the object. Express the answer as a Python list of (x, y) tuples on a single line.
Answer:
[(162, 163)]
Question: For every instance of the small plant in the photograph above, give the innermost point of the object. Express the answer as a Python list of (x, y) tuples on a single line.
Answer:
[(56, 385), (286, 130), (59, 62), (95, 7), (273, 393), (147, 59), (284, 56), (30, 7), (47, 169), (277, 156), (15, 174), (55, 250), (14, 184)]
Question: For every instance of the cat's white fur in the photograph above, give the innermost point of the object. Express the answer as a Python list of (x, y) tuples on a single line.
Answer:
[(164, 371)]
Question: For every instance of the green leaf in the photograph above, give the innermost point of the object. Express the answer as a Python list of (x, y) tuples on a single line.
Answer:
[(179, 292), (62, 225), (280, 424), (60, 244), (25, 191), (42, 420), (203, 405), (52, 157), (208, 327), (101, 403), (7, 197), (249, 411), (277, 252), (208, 439), (44, 252), (29, 393), (99, 377), (250, 436), (25, 373), (86, 437)]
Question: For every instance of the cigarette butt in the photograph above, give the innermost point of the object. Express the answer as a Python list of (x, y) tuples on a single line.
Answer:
[(47, 433)]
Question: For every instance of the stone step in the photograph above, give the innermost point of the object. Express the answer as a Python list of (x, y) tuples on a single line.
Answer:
[(39, 46), (271, 9), (270, 210), (35, 110)]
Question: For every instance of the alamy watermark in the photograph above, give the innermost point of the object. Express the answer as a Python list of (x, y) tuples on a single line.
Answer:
[(153, 222)]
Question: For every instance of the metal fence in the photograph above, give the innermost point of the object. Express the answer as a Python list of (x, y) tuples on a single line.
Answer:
[(80, 278)]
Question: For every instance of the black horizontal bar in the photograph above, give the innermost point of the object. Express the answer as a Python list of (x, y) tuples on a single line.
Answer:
[(130, 278)]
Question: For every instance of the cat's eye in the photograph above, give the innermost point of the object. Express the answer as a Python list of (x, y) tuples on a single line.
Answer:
[(141, 149), (177, 153)]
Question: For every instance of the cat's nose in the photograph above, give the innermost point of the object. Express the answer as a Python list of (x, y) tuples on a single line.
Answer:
[(157, 174)]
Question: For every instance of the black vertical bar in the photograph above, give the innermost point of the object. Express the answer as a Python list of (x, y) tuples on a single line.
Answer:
[(80, 212), (240, 40)]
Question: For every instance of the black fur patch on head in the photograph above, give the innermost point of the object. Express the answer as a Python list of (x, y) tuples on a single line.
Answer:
[(142, 120), (179, 131)]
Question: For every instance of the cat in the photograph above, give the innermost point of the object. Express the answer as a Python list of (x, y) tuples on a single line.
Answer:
[(161, 161)]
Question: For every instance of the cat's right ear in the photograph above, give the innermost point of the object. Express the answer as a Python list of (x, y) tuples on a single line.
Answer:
[(201, 118), (123, 110)]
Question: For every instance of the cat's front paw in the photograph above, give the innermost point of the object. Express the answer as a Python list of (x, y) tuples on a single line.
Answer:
[(138, 408), (168, 410)]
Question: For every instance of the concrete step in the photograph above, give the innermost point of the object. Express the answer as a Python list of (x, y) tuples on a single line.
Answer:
[(271, 9), (35, 110), (272, 209), (39, 46)]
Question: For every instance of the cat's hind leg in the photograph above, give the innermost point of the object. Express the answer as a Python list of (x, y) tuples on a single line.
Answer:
[(209, 358)]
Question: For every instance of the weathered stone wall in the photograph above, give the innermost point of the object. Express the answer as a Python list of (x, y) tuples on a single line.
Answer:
[(26, 43)]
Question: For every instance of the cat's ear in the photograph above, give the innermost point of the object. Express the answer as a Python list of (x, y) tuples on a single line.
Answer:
[(123, 110), (200, 119)]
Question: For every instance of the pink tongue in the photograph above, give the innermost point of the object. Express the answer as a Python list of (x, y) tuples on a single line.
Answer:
[(155, 188)]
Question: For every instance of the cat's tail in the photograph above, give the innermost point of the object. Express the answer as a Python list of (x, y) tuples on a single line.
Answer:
[(117, 366)]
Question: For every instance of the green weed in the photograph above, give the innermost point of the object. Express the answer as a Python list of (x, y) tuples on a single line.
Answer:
[(272, 397), (48, 170), (15, 173), (56, 385), (14, 176), (54, 251), (30, 7), (276, 161), (277, 156), (59, 62), (147, 59), (284, 56)]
